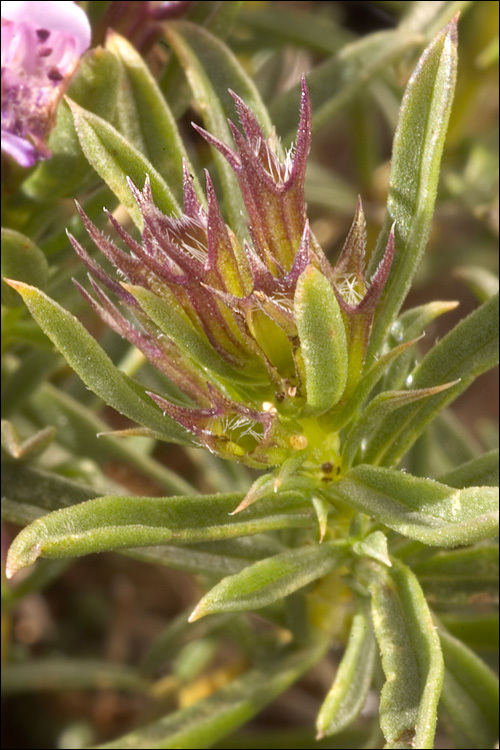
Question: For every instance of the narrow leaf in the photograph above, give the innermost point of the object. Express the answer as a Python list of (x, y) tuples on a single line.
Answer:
[(418, 508), (337, 81), (115, 159), (470, 694), (93, 365), (468, 350), (142, 107), (354, 675), (478, 471), (21, 260), (376, 411), (201, 725), (411, 658), (416, 158), (111, 522), (270, 580)]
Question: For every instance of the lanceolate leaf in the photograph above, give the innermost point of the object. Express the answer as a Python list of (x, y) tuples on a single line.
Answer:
[(202, 724), (93, 365), (465, 352), (477, 472), (272, 579), (109, 523), (115, 159), (348, 693), (411, 658), (421, 509), (379, 408), (416, 158), (143, 109), (23, 260), (334, 83), (470, 695)]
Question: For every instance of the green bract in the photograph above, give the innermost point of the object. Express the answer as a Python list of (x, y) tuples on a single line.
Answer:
[(239, 340)]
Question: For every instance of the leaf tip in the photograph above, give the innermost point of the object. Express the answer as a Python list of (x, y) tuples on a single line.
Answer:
[(196, 614)]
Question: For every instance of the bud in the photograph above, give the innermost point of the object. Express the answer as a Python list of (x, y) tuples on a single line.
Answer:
[(258, 336)]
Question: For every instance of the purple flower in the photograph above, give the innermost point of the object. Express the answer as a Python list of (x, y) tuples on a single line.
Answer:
[(41, 45)]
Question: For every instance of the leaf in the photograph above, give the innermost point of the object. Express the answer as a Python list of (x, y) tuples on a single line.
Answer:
[(143, 111), (82, 432), (323, 342), (21, 260), (114, 159), (477, 631), (376, 411), (477, 471), (26, 485), (421, 509), (410, 325), (114, 522), (462, 576), (70, 674), (468, 350), (470, 694), (271, 580), (202, 724), (92, 364), (354, 675), (336, 82), (483, 283), (416, 157), (411, 658), (274, 28), (212, 69)]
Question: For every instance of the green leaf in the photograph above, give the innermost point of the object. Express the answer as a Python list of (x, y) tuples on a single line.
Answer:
[(70, 674), (416, 157), (376, 411), (145, 119), (274, 28), (34, 368), (270, 580), (84, 434), (114, 159), (336, 82), (22, 260), (478, 631), (212, 69), (463, 576), (411, 658), (476, 472), (418, 508), (463, 354), (113, 522), (411, 325), (92, 364), (470, 695), (482, 282), (323, 342), (354, 675), (24, 485), (202, 724)]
